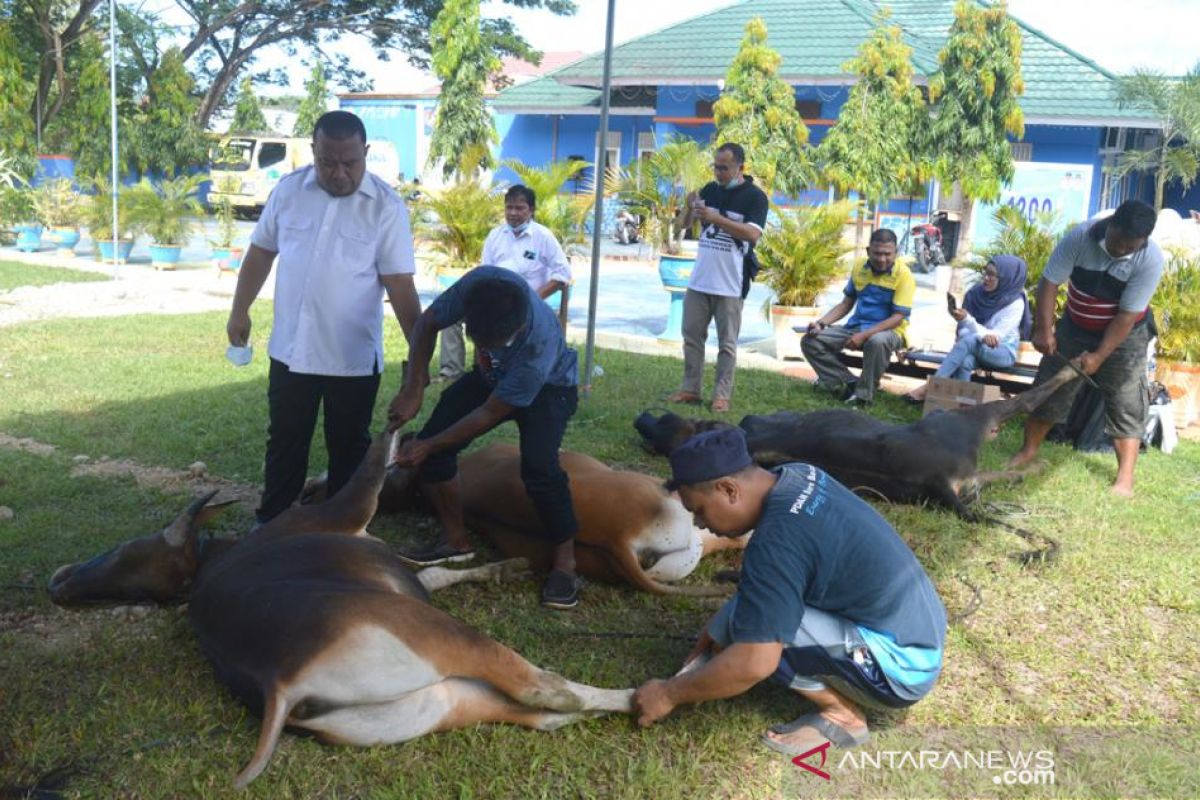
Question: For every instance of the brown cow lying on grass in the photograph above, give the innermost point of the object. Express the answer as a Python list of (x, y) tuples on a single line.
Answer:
[(315, 625), (630, 529)]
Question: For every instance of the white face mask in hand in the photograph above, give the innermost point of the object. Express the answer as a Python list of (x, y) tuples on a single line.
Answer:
[(239, 356)]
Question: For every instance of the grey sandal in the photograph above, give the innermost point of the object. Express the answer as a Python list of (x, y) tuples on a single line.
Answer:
[(835, 733)]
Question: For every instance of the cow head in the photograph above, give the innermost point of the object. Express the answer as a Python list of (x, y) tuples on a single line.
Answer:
[(153, 569), (661, 435)]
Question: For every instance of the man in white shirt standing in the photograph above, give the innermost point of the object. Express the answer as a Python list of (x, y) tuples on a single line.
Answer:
[(522, 245), (342, 236)]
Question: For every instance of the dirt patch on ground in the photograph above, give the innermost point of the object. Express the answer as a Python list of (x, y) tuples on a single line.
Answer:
[(196, 480), (26, 445)]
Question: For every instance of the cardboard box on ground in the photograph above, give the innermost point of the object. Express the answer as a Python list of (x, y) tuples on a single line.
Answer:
[(946, 394)]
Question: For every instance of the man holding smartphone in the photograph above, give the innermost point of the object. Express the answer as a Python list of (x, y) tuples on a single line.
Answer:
[(733, 211)]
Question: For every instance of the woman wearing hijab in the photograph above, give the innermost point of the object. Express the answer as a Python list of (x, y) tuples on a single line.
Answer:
[(991, 323)]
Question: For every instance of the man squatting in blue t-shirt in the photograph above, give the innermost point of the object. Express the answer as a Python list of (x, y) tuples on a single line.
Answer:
[(831, 603), (525, 372)]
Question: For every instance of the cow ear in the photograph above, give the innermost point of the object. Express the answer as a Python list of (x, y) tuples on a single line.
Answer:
[(209, 511), (176, 534)]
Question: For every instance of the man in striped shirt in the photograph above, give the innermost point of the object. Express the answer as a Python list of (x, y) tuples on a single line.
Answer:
[(1111, 269)]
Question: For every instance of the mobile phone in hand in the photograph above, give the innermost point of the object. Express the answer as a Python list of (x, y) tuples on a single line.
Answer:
[(951, 303)]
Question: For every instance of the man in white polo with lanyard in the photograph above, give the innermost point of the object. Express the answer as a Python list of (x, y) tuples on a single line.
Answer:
[(1111, 269), (522, 245), (342, 238), (733, 212)]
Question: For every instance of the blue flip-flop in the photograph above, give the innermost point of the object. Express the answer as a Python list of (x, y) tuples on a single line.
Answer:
[(835, 733)]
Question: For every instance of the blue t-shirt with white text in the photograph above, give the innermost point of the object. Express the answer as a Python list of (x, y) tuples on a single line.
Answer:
[(818, 544)]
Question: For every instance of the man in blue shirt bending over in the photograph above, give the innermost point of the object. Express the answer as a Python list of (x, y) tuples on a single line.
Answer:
[(525, 372), (831, 603)]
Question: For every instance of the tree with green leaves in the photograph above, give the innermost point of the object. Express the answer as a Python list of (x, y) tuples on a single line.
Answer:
[(457, 218), (315, 103), (1175, 102), (222, 40), (976, 92), (876, 145), (757, 110), (166, 138), (16, 92), (248, 116), (83, 128), (463, 61)]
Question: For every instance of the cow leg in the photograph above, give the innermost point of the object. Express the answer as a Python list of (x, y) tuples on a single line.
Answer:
[(947, 496), (446, 705), (434, 578)]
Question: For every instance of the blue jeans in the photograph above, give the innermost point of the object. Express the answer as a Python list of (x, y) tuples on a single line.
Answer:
[(970, 352)]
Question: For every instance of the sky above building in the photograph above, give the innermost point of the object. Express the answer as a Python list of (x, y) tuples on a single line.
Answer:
[(1117, 34)]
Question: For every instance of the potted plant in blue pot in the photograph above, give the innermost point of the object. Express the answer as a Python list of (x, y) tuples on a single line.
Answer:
[(226, 255), (57, 206), (801, 253), (17, 218), (658, 192), (97, 217), (168, 212)]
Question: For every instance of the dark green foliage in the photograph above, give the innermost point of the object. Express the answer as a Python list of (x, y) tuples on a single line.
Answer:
[(247, 113), (463, 59), (166, 137), (976, 95), (757, 110), (315, 103), (875, 147)]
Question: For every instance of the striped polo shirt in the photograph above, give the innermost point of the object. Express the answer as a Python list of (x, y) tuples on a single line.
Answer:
[(877, 297), (1099, 286)]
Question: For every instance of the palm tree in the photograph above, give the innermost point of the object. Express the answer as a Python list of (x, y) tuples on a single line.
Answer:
[(1176, 104), (660, 188), (463, 212)]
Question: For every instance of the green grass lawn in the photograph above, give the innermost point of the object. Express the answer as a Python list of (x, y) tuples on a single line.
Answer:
[(17, 273), (1094, 656)]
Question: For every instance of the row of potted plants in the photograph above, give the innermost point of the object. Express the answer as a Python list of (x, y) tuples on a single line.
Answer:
[(167, 211)]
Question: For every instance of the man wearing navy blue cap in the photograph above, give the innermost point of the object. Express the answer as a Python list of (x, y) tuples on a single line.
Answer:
[(832, 603)]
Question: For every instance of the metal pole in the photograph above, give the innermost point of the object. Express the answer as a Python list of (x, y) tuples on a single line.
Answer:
[(598, 218), (112, 110)]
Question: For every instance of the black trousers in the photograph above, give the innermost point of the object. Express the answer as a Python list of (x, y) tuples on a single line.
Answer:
[(541, 426), (293, 400)]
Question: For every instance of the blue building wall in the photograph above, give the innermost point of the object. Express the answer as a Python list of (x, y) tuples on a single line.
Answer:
[(538, 139), (1175, 197), (396, 120)]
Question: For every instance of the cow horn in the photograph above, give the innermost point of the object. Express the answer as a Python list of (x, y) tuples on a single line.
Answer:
[(176, 533)]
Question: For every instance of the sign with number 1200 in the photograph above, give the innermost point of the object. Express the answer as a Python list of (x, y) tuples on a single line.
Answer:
[(1036, 189)]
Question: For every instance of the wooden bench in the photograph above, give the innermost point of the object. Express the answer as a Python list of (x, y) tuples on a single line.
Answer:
[(923, 363)]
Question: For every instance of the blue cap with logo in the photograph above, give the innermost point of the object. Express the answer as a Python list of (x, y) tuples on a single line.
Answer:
[(708, 456)]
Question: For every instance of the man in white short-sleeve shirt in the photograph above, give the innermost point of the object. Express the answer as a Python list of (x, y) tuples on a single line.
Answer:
[(342, 237), (522, 245)]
